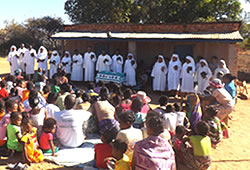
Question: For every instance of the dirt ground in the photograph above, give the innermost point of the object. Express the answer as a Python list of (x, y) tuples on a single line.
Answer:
[(230, 154)]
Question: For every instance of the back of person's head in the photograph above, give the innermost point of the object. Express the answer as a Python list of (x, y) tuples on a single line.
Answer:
[(137, 105), (13, 92), (91, 86), (69, 102), (107, 137), (3, 84), (9, 104), (34, 101), (30, 86), (52, 97), (180, 130), (78, 93), (86, 97), (14, 116), (100, 83), (104, 93), (155, 124), (212, 111), (202, 128), (33, 93), (2, 105), (65, 87), (127, 93), (117, 90), (19, 82), (229, 76), (11, 78), (49, 124), (163, 101), (118, 145), (127, 117), (152, 113), (46, 89), (169, 108), (177, 107)]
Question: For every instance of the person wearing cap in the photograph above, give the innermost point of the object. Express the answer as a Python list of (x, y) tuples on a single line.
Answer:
[(54, 63), (159, 74), (89, 64), (222, 68), (129, 70)]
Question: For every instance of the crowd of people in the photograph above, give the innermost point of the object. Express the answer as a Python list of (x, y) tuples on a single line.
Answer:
[(42, 114)]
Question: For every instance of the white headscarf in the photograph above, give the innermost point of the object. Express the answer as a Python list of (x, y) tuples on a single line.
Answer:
[(204, 61), (163, 60), (131, 54), (177, 62), (191, 60), (223, 61), (13, 46), (42, 55), (67, 52)]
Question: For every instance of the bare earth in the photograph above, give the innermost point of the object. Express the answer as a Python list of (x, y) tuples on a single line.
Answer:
[(230, 154)]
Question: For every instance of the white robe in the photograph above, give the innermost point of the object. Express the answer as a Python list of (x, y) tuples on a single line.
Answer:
[(13, 60), (129, 70), (43, 56), (174, 75), (117, 64), (203, 82), (89, 66), (77, 71), (101, 66), (53, 67), (30, 61), (21, 53), (159, 81), (188, 78), (67, 67), (225, 70)]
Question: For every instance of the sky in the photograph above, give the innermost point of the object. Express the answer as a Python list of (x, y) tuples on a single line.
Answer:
[(20, 10)]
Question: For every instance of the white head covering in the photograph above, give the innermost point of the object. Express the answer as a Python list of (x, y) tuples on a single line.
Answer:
[(13, 46), (67, 52), (204, 61), (223, 61), (131, 54), (54, 52), (177, 61), (42, 55), (163, 60), (191, 60)]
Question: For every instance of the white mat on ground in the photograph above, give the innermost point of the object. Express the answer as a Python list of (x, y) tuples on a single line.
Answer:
[(76, 156)]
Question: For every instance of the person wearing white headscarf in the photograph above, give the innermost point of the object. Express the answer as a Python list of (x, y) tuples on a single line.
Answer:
[(77, 71), (222, 68), (89, 65), (42, 58), (21, 52), (129, 70), (117, 62), (54, 63), (29, 60), (159, 74), (13, 60), (187, 75), (66, 62), (203, 75), (174, 70), (104, 62)]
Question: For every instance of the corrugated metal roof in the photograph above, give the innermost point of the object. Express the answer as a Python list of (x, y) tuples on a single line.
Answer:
[(233, 36)]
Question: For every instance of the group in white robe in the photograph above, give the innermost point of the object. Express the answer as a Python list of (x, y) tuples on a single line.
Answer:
[(21, 52), (89, 65), (66, 62), (129, 70), (159, 74), (77, 71), (42, 58), (54, 63), (29, 60), (203, 75), (187, 75), (174, 71), (13, 60), (117, 62), (104, 62), (221, 68)]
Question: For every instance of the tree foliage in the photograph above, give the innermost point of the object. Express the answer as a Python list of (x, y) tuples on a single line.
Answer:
[(151, 11)]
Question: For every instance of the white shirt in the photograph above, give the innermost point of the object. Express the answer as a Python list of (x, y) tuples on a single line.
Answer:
[(69, 126), (51, 109)]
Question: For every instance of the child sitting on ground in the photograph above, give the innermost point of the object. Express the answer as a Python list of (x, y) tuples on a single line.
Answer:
[(163, 101), (30, 147), (46, 138), (14, 133), (118, 151)]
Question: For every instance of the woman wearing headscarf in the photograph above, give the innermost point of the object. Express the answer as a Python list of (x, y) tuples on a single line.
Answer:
[(129, 70), (42, 58), (29, 61), (77, 71), (12, 59), (222, 68), (203, 74), (159, 74), (54, 63), (66, 62), (187, 75), (174, 70)]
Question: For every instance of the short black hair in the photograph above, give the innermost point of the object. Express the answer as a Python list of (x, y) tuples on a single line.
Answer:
[(65, 87), (107, 136), (127, 93), (229, 76), (156, 125), (163, 100), (29, 85), (14, 91), (136, 105), (52, 97), (69, 102), (2, 105), (34, 101), (14, 115), (91, 85), (46, 89), (33, 93), (86, 97), (49, 123), (202, 128), (177, 107), (100, 83), (104, 93), (212, 111), (214, 57), (180, 129), (9, 104), (169, 108), (26, 121), (120, 146), (152, 113), (127, 117), (3, 84)]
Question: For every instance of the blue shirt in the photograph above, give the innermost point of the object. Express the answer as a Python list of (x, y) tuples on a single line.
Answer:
[(230, 87)]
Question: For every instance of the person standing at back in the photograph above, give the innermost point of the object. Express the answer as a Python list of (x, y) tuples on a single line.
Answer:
[(66, 63), (77, 67), (104, 62), (21, 51), (42, 58), (129, 70), (29, 61), (117, 62), (89, 64), (54, 63), (13, 60)]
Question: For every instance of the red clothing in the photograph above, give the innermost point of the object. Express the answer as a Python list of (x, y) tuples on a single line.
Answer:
[(102, 152), (3, 93), (145, 108), (44, 140)]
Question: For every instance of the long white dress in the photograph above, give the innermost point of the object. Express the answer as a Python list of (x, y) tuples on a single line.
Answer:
[(21, 52), (89, 66), (159, 75), (42, 58), (187, 85), (129, 70), (174, 75), (117, 64), (66, 63), (224, 69), (29, 60), (12, 59), (53, 67), (101, 66), (77, 71), (203, 82)]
